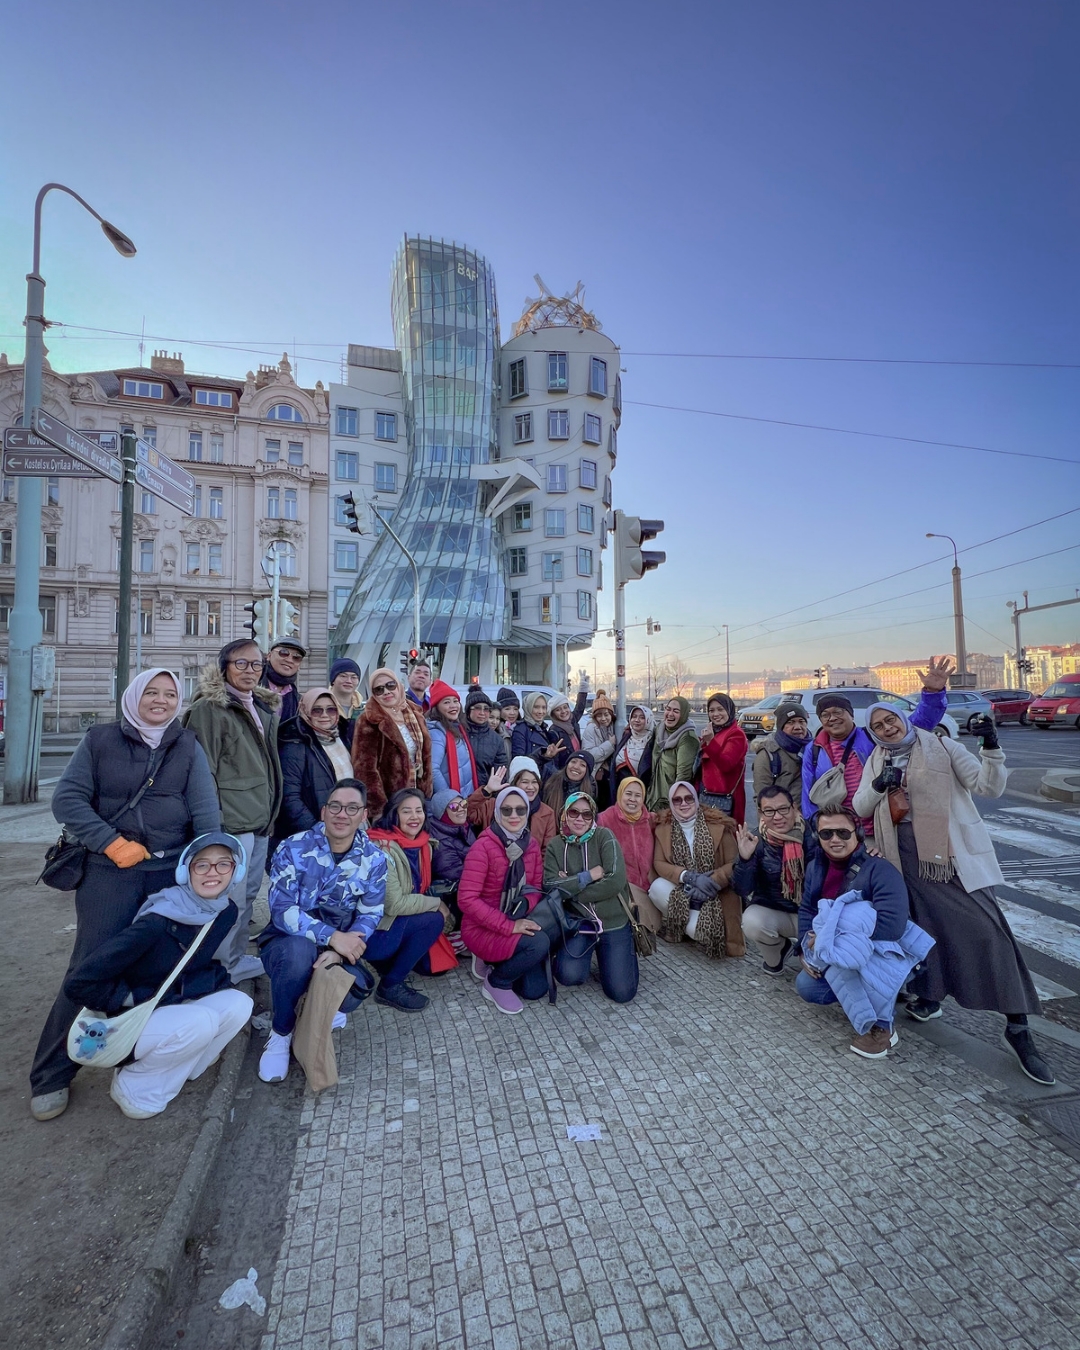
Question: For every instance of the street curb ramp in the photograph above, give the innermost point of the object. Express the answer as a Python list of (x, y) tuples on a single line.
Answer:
[(145, 1297)]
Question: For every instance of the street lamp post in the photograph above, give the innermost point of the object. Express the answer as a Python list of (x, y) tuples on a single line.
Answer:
[(727, 661), (415, 572), (22, 722), (958, 612)]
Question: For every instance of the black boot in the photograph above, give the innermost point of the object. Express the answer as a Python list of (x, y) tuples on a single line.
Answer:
[(1019, 1041)]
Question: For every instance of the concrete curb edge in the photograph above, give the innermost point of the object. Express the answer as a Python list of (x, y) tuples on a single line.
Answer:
[(145, 1297)]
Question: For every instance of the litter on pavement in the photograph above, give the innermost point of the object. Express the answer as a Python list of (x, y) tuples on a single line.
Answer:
[(244, 1291), (580, 1134)]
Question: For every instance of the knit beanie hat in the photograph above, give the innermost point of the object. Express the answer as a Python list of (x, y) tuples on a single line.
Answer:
[(601, 701), (344, 667), (787, 711), (440, 690), (583, 755), (521, 764), (441, 800), (475, 696), (506, 698), (834, 701)]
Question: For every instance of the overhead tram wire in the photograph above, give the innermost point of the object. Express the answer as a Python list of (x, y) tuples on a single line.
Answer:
[(862, 360)]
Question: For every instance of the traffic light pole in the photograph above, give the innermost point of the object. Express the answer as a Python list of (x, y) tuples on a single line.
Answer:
[(620, 656), (1025, 608)]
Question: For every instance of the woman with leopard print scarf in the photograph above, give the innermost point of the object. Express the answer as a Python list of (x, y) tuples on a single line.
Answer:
[(694, 856)]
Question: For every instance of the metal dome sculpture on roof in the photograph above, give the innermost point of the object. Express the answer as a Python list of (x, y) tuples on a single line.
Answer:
[(556, 311)]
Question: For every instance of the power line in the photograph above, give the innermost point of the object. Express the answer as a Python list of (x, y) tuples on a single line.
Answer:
[(847, 431), (861, 360)]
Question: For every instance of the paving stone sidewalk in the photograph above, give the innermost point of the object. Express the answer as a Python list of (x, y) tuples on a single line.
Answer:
[(755, 1184)]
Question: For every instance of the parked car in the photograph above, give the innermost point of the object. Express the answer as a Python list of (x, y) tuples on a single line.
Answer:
[(758, 719), (1010, 704), (1058, 706), (860, 699), (966, 704)]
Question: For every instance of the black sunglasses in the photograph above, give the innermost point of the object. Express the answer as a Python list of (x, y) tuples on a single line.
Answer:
[(835, 834)]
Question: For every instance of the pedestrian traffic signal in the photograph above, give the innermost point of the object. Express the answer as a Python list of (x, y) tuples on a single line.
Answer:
[(631, 560), (352, 522), (258, 625), (288, 624), (405, 656)]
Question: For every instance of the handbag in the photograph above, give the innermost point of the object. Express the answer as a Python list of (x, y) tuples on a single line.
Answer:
[(644, 940), (828, 791), (98, 1041), (899, 805), (65, 861), (722, 801)]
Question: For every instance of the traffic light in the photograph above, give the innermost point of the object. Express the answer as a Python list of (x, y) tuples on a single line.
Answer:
[(249, 624), (631, 560), (288, 624), (259, 623), (407, 659), (651, 627), (351, 519)]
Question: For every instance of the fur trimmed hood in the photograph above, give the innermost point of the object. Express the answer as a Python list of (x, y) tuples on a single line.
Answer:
[(213, 688)]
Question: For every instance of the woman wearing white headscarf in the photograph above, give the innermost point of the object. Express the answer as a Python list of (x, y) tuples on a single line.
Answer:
[(633, 754), (134, 793)]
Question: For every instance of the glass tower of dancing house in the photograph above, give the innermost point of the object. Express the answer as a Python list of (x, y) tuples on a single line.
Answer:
[(491, 465)]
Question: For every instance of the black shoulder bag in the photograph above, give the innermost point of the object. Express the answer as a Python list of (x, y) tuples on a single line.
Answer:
[(65, 861)]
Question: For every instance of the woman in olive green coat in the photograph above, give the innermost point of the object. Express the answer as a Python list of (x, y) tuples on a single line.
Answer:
[(675, 748), (584, 861)]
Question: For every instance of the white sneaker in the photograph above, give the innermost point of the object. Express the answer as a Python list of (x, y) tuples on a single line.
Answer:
[(129, 1108), (340, 1021), (274, 1061)]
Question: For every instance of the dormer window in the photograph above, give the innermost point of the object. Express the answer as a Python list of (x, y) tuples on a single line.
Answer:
[(213, 398), (143, 389), (284, 412)]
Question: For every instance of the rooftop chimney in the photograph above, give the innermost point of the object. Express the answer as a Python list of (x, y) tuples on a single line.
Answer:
[(166, 364)]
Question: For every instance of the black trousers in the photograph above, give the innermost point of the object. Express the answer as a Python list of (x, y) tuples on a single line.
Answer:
[(105, 904)]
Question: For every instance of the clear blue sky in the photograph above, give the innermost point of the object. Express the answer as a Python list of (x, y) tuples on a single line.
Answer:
[(825, 179)]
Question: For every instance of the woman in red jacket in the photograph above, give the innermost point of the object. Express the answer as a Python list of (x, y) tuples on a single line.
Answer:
[(723, 760), (502, 876)]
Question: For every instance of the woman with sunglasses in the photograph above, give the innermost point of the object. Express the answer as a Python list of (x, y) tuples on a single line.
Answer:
[(499, 887), (524, 774), (391, 748), (313, 758), (586, 864)]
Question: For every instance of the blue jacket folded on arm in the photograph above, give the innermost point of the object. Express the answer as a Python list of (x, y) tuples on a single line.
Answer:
[(878, 880)]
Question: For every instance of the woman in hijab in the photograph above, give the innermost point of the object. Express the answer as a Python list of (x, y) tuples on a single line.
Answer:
[(723, 759), (633, 826), (391, 748), (674, 752), (633, 754), (135, 793), (201, 1012), (531, 735), (584, 862), (694, 858), (778, 758), (575, 776), (313, 758), (918, 788), (543, 824), (345, 687), (565, 724), (500, 886), (598, 738)]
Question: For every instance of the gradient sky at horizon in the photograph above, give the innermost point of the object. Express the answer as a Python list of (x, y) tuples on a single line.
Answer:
[(772, 179)]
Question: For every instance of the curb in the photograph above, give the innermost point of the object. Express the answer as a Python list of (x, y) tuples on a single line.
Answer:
[(145, 1297)]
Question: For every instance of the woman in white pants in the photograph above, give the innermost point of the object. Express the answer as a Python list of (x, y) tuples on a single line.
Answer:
[(201, 1012)]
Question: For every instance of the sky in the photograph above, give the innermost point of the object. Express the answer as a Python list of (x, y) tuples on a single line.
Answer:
[(897, 186)]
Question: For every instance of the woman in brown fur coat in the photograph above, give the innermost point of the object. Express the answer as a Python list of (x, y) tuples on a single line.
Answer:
[(391, 748)]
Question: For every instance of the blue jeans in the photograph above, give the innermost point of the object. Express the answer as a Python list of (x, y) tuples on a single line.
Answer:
[(524, 972), (288, 961), (394, 951), (814, 991), (615, 955)]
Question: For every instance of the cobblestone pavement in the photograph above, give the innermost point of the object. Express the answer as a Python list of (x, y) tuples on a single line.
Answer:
[(755, 1184)]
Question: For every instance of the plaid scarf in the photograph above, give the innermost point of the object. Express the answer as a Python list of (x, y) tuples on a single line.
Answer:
[(793, 862)]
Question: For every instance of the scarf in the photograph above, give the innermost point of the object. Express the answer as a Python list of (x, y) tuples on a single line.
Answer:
[(626, 782), (634, 835), (527, 705), (928, 781), (564, 828), (728, 704), (669, 739), (698, 857), (455, 736), (793, 859), (516, 845), (246, 699), (332, 744), (404, 713), (899, 752), (633, 746), (179, 902), (417, 853), (792, 744), (129, 704)]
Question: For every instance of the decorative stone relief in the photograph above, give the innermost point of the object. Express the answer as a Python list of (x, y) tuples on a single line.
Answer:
[(202, 531), (166, 605), (168, 560), (292, 530)]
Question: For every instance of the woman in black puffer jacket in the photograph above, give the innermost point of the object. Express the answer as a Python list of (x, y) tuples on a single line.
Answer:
[(313, 758)]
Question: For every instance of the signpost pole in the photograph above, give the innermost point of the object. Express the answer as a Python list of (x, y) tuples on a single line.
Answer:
[(127, 532)]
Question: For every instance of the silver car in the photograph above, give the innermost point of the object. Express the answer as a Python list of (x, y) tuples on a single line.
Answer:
[(965, 704), (750, 719)]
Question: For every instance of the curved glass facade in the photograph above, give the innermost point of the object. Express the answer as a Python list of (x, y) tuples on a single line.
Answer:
[(446, 328)]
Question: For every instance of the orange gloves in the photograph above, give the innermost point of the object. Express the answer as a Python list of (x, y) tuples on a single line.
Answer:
[(125, 852)]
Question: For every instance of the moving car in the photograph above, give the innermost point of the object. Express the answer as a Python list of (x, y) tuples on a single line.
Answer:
[(1058, 706), (1010, 704), (966, 704), (750, 719)]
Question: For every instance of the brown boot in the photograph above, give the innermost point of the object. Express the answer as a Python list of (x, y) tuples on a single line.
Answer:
[(875, 1043)]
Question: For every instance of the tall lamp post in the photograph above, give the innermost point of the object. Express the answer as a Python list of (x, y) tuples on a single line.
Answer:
[(727, 661), (960, 677), (22, 720)]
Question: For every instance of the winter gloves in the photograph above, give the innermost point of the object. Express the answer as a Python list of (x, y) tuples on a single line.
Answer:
[(699, 887), (126, 852), (888, 778), (984, 728)]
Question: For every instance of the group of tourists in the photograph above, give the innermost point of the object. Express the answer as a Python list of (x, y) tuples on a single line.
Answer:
[(411, 831)]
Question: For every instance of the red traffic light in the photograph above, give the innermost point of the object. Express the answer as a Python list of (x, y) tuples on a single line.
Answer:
[(413, 653)]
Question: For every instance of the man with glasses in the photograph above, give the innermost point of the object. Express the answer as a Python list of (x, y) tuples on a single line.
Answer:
[(769, 877), (236, 721), (282, 667), (327, 890)]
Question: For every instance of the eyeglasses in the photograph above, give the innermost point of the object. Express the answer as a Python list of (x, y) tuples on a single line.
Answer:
[(835, 834), (379, 689), (336, 808), (221, 868), (834, 715), (575, 814), (248, 665), (780, 811), (513, 810)]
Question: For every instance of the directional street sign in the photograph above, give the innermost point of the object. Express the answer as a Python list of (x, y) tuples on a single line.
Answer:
[(28, 456), (76, 445), (164, 477)]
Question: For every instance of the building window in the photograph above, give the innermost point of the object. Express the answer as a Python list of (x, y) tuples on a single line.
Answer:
[(290, 504), (214, 561), (594, 429), (523, 431), (284, 412), (272, 451), (149, 435), (191, 558), (52, 495), (198, 499), (286, 559), (585, 518), (613, 444), (584, 604), (143, 389), (432, 494), (7, 491), (146, 555), (192, 676), (341, 599), (194, 445), (522, 517), (147, 503), (146, 618), (217, 503), (587, 473), (517, 379), (296, 453), (346, 555), (607, 491), (456, 539), (445, 585), (515, 604), (584, 562), (273, 503), (348, 422), (556, 477), (50, 550), (550, 609), (191, 618), (558, 424), (385, 477), (554, 522), (519, 561), (7, 604), (598, 377), (551, 566), (348, 466), (213, 618), (462, 494), (386, 426), (217, 448), (47, 608), (340, 518), (423, 536), (7, 539), (213, 398), (557, 371)]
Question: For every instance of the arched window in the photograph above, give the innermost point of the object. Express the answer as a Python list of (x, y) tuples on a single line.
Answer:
[(286, 555), (284, 412)]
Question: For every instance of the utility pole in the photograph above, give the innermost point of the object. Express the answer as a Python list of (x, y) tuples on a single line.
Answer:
[(1025, 608), (960, 680), (127, 532), (727, 661), (554, 650)]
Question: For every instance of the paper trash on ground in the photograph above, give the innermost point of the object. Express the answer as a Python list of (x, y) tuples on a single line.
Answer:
[(580, 1134), (244, 1291)]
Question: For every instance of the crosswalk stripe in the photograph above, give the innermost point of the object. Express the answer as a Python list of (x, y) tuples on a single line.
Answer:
[(1044, 933), (1047, 890), (1050, 989), (1059, 820), (1029, 841)]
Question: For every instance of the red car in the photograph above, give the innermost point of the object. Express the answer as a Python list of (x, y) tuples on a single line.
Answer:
[(1009, 704), (1058, 706)]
